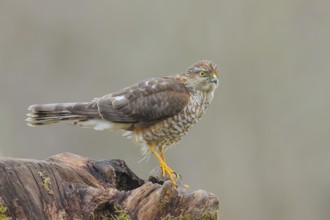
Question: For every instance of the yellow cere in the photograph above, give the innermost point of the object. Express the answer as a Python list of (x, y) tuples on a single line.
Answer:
[(214, 75)]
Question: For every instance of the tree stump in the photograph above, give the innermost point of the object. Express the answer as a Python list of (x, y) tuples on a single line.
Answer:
[(68, 186)]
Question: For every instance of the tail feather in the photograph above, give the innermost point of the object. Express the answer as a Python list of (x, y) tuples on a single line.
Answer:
[(46, 114)]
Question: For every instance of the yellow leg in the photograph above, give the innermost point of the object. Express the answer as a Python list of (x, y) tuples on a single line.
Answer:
[(165, 168), (162, 155), (160, 149)]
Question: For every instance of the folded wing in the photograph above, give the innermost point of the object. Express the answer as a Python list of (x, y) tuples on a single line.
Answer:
[(146, 102)]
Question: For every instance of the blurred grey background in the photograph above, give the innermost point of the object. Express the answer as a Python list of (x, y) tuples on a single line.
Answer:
[(263, 147)]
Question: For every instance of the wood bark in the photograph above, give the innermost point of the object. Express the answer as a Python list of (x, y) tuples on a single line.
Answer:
[(68, 186)]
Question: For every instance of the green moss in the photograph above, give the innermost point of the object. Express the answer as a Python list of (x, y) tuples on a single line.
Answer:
[(46, 182), (210, 217), (183, 217), (3, 210), (188, 217), (120, 215)]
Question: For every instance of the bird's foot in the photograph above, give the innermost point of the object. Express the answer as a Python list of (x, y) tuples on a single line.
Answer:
[(167, 170)]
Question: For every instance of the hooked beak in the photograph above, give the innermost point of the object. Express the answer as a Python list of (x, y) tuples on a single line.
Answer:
[(214, 78)]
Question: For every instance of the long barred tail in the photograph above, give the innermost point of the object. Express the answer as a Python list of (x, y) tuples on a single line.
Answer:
[(46, 114)]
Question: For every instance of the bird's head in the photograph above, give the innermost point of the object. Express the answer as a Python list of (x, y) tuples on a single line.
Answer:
[(203, 75)]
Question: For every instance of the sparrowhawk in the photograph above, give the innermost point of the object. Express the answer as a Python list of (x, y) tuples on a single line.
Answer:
[(155, 113)]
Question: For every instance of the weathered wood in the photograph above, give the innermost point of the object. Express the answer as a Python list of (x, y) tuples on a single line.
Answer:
[(68, 186)]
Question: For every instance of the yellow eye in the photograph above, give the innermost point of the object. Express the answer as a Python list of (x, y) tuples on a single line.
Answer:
[(202, 74)]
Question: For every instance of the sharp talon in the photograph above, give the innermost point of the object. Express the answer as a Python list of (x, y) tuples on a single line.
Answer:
[(177, 175)]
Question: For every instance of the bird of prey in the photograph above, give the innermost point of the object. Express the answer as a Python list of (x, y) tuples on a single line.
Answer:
[(155, 113)]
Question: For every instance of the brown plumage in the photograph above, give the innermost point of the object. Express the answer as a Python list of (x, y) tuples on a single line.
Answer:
[(156, 113)]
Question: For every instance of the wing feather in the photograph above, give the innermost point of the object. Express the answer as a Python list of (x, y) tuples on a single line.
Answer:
[(147, 102)]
